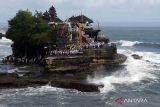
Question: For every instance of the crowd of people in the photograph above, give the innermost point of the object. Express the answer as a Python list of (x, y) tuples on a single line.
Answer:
[(65, 52), (93, 45), (76, 50), (21, 60)]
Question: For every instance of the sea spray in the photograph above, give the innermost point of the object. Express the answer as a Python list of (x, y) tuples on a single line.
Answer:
[(149, 46), (128, 43), (134, 72)]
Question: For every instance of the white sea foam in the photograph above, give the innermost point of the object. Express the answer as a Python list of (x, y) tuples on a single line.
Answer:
[(152, 57), (134, 71), (13, 70), (18, 70), (5, 40), (128, 43), (30, 91)]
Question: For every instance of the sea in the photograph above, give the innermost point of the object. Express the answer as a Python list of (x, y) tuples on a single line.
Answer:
[(136, 83)]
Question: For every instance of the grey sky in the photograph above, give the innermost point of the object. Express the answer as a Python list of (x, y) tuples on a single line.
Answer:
[(114, 12)]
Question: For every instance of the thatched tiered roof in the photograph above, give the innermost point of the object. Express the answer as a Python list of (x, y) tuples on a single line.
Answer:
[(80, 19), (51, 15)]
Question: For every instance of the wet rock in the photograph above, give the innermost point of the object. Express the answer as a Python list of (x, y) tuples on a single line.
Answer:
[(135, 56), (83, 87), (7, 78), (11, 80), (147, 61)]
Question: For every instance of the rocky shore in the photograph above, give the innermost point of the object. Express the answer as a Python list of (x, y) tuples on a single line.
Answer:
[(71, 73), (12, 80)]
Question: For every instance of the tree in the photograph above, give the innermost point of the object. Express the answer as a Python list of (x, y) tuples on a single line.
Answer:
[(20, 27), (41, 30), (28, 32), (20, 30), (40, 35)]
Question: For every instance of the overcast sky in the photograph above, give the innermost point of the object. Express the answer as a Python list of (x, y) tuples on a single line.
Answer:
[(107, 12)]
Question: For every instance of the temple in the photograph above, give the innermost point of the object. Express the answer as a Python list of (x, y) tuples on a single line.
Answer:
[(80, 46)]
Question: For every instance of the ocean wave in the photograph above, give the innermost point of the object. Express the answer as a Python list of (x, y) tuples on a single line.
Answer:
[(149, 45), (126, 43), (30, 91), (134, 71)]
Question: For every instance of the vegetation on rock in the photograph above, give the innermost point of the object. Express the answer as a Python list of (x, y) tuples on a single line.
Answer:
[(30, 33)]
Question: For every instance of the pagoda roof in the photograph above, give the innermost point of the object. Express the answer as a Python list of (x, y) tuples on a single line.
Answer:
[(80, 18)]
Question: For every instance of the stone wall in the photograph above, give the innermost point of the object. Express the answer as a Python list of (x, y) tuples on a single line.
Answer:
[(106, 53)]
